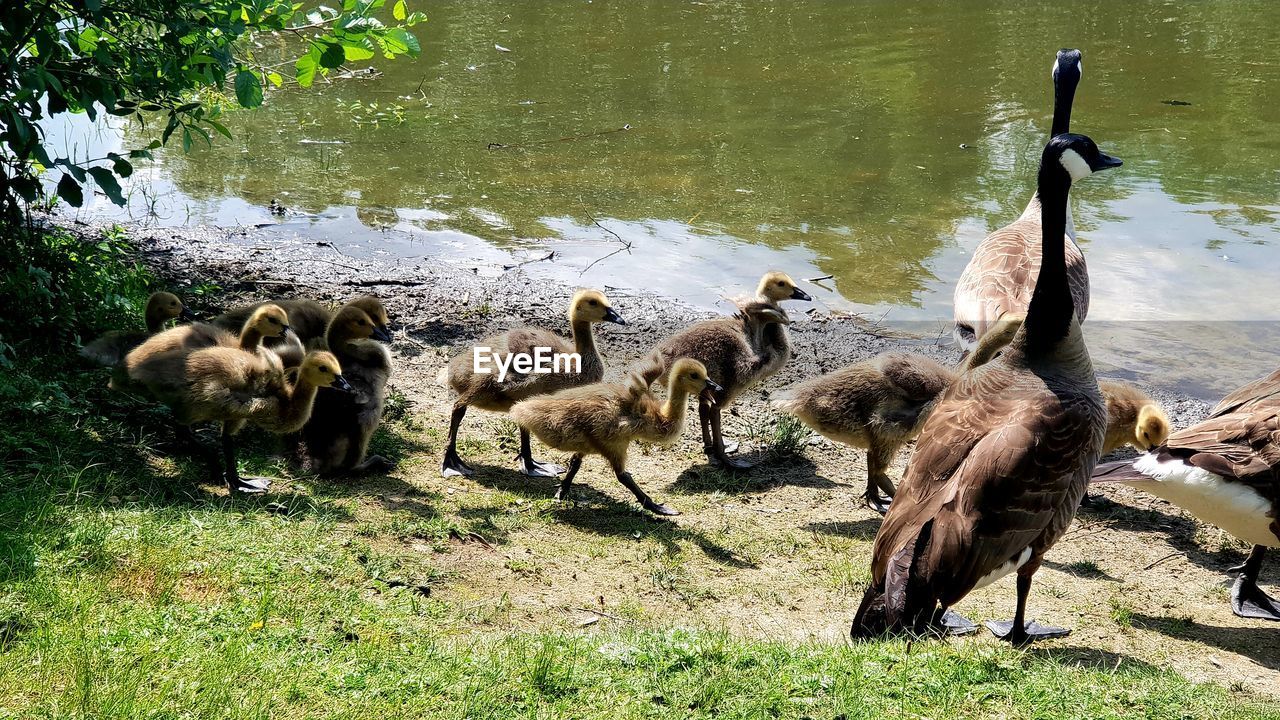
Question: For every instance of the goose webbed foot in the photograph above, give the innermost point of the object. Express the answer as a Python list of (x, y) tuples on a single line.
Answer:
[(248, 485), (536, 468), (453, 466), (951, 623), (1249, 601), (1031, 632)]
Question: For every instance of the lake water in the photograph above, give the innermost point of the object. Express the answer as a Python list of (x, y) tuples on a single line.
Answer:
[(875, 142)]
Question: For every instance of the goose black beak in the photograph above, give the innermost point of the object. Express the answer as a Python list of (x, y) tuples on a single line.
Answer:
[(341, 383), (186, 315), (1106, 162), (799, 294), (611, 315), (382, 334)]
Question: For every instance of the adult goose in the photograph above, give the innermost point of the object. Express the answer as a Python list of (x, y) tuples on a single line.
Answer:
[(1002, 273), (1002, 462), (1225, 471)]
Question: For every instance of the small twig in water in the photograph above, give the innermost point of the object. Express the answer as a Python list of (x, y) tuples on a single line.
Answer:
[(548, 256), (820, 279)]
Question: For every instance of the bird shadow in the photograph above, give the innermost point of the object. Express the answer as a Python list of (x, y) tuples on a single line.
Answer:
[(590, 510), (1179, 530), (1259, 643), (1082, 569), (864, 529), (1092, 658), (771, 471)]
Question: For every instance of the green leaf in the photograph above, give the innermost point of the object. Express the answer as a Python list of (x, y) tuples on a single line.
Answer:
[(398, 11), (305, 70), (400, 41), (357, 51), (333, 55), (122, 167), (248, 90), (107, 183), (275, 78), (69, 190), (222, 129)]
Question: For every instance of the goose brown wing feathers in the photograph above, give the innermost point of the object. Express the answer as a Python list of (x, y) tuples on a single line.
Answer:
[(999, 476)]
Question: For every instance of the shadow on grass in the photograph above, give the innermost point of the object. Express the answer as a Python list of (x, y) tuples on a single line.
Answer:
[(590, 510), (1260, 641), (772, 471), (1092, 659), (864, 529)]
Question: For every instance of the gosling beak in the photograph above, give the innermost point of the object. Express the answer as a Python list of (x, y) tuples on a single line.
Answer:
[(709, 392), (186, 315), (285, 331), (341, 383), (799, 294), (611, 315), (1105, 162), (382, 334)]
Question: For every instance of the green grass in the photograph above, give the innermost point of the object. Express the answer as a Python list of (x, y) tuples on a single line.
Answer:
[(127, 590)]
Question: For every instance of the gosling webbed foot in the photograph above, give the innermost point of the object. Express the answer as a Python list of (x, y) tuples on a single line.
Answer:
[(453, 466), (1249, 601), (658, 508), (374, 464), (1029, 633), (536, 468), (722, 460), (876, 501)]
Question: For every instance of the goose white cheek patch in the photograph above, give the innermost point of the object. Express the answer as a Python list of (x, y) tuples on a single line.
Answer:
[(1075, 165)]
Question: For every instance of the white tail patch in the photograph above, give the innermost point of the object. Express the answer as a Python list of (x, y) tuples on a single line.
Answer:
[(1232, 506), (1075, 165), (1005, 569)]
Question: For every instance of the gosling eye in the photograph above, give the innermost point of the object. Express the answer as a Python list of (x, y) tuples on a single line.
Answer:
[(593, 303)]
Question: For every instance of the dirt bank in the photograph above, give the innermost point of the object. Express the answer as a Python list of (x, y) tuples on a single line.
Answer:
[(782, 551)]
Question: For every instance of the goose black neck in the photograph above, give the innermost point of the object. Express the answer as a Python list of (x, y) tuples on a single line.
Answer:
[(1064, 94), (1051, 309)]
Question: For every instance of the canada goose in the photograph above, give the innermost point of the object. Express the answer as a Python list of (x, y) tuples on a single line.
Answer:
[(491, 391), (1002, 272), (738, 352), (880, 403), (234, 387), (1224, 471), (110, 349), (1003, 460), (337, 435), (1133, 418), (309, 321), (605, 418)]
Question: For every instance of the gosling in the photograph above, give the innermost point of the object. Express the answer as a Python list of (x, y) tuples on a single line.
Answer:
[(235, 387), (881, 403), (487, 392), (110, 349), (738, 352), (337, 435), (309, 321), (1133, 418), (605, 418)]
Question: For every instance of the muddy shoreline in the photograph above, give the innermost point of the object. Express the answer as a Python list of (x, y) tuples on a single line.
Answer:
[(438, 306)]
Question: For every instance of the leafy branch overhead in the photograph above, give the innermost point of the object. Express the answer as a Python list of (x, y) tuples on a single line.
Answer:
[(170, 64)]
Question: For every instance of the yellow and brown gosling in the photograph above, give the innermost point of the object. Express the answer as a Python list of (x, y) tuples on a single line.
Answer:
[(1133, 418), (605, 418), (236, 387), (881, 403), (495, 392)]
